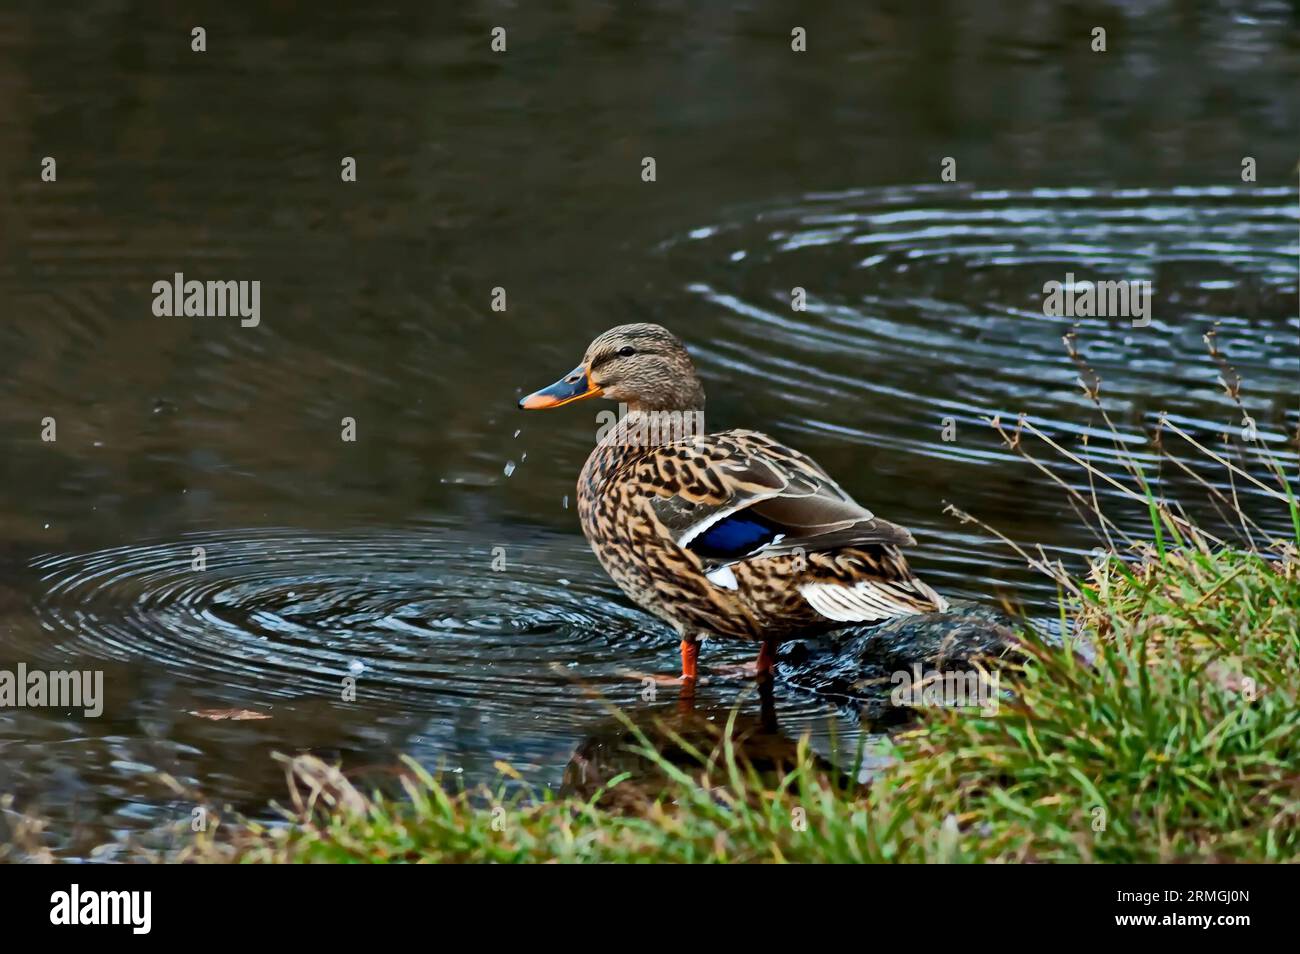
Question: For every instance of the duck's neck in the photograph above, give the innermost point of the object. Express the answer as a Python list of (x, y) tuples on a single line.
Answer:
[(681, 393)]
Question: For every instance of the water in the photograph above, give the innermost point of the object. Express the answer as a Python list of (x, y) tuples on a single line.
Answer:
[(435, 560)]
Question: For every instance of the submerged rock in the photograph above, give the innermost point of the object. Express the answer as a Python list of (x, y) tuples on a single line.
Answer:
[(862, 665)]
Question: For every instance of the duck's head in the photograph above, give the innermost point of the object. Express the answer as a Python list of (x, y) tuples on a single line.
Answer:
[(644, 366)]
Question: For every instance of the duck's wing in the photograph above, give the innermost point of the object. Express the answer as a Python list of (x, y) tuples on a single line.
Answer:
[(740, 495)]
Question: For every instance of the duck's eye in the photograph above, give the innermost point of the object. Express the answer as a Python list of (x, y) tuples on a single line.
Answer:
[(626, 351)]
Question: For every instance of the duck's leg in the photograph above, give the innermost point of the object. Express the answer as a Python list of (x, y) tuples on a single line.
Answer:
[(690, 674), (690, 661), (690, 669), (765, 665)]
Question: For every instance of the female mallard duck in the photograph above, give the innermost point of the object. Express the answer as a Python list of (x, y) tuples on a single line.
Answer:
[(731, 534)]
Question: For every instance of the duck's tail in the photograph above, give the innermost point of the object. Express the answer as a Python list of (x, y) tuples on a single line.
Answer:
[(881, 587)]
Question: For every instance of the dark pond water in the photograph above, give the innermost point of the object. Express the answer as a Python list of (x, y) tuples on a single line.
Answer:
[(437, 558)]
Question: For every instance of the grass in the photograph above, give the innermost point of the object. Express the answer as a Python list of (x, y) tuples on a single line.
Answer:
[(1177, 744)]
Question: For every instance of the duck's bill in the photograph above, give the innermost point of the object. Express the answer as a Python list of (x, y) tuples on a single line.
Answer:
[(574, 386)]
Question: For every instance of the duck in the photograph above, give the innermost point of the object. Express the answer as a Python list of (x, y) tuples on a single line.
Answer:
[(729, 535)]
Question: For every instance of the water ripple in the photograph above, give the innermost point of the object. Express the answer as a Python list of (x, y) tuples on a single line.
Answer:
[(415, 617), (924, 304)]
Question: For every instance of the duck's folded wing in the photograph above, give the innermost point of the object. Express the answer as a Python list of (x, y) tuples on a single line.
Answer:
[(759, 498)]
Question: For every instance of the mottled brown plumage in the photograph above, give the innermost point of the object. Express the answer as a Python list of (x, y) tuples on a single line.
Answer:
[(730, 534)]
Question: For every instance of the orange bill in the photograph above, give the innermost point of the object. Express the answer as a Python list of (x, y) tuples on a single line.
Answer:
[(574, 386)]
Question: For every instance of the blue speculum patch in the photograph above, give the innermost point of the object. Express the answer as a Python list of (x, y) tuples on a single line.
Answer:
[(734, 536)]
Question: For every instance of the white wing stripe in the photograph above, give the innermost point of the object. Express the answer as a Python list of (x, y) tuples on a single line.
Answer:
[(861, 603)]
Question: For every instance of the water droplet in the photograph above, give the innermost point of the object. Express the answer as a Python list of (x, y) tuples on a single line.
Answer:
[(510, 467), (566, 501), (517, 433), (356, 667)]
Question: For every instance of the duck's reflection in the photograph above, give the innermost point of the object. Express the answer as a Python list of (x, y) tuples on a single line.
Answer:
[(639, 745)]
